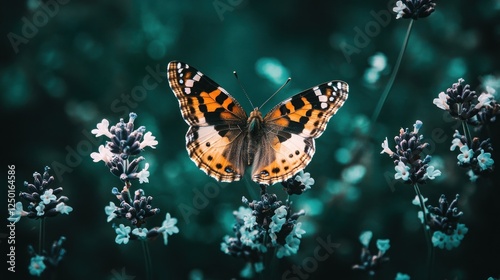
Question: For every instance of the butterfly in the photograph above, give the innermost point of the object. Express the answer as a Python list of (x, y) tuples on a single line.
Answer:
[(223, 140)]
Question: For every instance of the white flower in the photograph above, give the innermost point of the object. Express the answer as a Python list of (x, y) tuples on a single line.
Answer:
[(140, 232), (63, 208), (472, 176), (168, 227), (416, 127), (484, 160), (460, 231), (110, 211), (102, 129), (416, 201), (441, 101), (305, 179), (104, 155), (291, 247), (148, 140), (242, 212), (442, 240), (484, 99), (17, 213), (247, 237), (466, 154), (456, 143), (278, 219), (383, 245), (37, 266), (122, 234), (431, 173), (402, 171), (385, 148), (144, 174), (399, 9), (365, 238), (249, 222), (39, 209), (48, 196), (297, 230)]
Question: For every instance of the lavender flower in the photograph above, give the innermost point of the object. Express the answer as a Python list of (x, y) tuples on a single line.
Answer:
[(442, 221), (51, 259), (298, 184), (372, 263), (121, 156), (135, 209), (475, 156), (265, 223), (125, 143), (414, 9), (461, 102), (409, 165), (43, 200)]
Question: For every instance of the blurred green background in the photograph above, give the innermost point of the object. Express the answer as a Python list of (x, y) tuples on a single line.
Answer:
[(83, 61)]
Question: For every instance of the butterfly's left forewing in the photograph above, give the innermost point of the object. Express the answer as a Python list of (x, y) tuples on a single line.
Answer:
[(202, 101), (291, 128), (214, 140)]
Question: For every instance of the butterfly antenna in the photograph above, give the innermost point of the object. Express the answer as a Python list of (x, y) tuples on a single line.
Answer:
[(241, 85), (281, 87)]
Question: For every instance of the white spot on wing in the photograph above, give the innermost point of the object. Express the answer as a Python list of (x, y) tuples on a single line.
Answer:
[(322, 98), (197, 76), (317, 91), (189, 83), (324, 105)]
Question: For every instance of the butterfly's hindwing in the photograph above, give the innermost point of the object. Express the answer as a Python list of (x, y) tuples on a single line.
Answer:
[(216, 150), (284, 156)]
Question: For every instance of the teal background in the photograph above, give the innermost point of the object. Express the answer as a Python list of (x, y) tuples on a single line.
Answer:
[(88, 56)]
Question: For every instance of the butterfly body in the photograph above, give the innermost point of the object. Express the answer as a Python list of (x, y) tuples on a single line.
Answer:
[(223, 140)]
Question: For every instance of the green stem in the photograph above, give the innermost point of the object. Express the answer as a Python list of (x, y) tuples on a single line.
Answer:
[(467, 133), (147, 258), (41, 235), (430, 248), (272, 264), (388, 87)]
